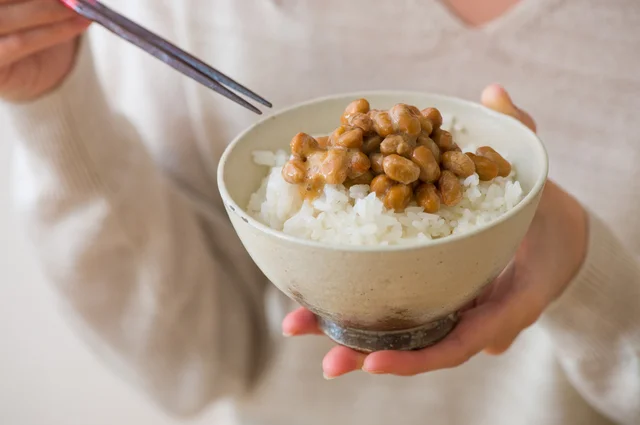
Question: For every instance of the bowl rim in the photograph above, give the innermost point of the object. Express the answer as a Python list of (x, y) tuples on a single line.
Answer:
[(418, 244)]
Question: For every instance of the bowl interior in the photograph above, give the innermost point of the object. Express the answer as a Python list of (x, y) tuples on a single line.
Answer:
[(239, 176)]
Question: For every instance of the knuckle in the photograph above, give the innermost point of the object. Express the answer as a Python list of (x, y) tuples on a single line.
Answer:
[(464, 352), (461, 359), (497, 349), (530, 320)]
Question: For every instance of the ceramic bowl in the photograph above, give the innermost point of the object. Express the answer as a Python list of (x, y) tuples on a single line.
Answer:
[(383, 297)]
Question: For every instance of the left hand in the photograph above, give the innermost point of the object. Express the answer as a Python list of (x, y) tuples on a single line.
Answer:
[(545, 263)]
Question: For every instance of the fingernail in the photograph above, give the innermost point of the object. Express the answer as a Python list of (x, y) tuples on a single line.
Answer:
[(286, 334), (327, 377)]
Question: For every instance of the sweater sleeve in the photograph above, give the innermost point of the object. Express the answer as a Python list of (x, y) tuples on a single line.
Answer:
[(595, 327), (163, 289)]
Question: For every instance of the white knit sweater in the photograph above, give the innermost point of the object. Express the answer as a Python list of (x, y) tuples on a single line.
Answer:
[(114, 177)]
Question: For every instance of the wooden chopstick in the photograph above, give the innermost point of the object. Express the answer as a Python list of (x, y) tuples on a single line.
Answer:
[(165, 51)]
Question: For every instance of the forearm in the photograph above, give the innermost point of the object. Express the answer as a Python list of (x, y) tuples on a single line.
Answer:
[(139, 266), (595, 326)]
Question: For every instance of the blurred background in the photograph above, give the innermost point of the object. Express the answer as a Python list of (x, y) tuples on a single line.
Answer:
[(47, 375)]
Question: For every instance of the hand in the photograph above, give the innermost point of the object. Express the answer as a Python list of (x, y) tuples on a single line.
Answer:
[(545, 263), (38, 45)]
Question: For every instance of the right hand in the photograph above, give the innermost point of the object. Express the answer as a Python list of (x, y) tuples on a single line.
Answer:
[(38, 46)]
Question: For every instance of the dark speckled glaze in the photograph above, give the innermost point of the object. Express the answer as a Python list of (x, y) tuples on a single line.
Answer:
[(404, 340)]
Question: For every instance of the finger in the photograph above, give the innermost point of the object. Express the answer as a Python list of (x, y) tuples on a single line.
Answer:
[(300, 322), (496, 97), (29, 14), (341, 360), (17, 46), (467, 339), (491, 325)]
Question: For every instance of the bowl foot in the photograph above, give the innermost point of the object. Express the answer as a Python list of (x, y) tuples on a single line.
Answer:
[(407, 339)]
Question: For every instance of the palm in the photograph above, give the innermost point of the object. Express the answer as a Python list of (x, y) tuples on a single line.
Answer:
[(523, 282), (524, 278)]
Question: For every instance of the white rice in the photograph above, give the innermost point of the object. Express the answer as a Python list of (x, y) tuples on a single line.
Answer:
[(356, 217)]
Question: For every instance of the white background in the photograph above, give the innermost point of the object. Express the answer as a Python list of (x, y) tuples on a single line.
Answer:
[(47, 375)]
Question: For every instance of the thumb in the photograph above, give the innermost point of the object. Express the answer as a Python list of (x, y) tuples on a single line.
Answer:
[(496, 97)]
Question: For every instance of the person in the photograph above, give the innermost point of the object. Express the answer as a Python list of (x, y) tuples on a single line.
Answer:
[(114, 178)]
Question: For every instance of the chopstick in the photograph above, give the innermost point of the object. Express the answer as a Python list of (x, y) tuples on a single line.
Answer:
[(163, 50)]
